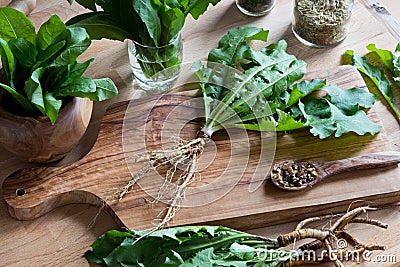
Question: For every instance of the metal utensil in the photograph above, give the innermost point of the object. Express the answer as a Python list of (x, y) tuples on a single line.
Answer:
[(383, 15), (302, 174)]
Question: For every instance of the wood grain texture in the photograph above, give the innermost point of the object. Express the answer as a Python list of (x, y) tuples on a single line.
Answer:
[(364, 162), (321, 170), (38, 140), (60, 237), (228, 169)]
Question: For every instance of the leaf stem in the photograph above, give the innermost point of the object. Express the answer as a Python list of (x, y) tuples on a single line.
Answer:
[(216, 115), (274, 244)]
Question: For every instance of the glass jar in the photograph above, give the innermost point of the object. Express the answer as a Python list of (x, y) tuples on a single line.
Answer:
[(255, 7), (321, 23), (155, 68)]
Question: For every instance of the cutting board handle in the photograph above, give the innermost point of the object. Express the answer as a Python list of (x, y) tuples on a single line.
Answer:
[(94, 179)]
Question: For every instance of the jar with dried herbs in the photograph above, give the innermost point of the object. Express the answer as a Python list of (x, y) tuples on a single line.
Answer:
[(321, 23), (255, 7)]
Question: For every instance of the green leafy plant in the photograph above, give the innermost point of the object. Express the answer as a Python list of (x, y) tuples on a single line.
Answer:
[(199, 246), (149, 22), (376, 74), (261, 91), (266, 97), (186, 246), (154, 23), (40, 69)]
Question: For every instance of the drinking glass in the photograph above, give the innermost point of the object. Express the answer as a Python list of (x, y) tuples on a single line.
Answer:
[(155, 68)]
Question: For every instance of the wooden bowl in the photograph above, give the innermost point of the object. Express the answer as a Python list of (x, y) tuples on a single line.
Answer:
[(37, 140)]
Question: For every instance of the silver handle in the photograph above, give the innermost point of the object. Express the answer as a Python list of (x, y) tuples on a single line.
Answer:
[(383, 15)]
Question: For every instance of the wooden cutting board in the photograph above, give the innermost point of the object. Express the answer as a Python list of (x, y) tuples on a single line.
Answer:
[(230, 187)]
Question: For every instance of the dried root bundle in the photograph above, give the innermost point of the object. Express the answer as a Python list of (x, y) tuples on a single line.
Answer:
[(330, 239)]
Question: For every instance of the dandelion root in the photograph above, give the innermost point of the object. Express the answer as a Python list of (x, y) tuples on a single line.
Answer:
[(181, 160), (328, 239)]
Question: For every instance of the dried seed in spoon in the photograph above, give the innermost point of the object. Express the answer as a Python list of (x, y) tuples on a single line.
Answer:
[(292, 174)]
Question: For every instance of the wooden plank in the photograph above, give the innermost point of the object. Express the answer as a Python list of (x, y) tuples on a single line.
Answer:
[(229, 168)]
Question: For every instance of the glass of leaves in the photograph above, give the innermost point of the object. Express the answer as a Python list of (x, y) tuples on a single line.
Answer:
[(155, 67), (152, 28)]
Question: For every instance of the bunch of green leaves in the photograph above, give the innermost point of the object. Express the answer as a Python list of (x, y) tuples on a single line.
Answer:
[(149, 22), (187, 246), (40, 70), (260, 90), (376, 73)]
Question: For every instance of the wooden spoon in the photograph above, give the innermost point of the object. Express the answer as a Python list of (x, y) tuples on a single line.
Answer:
[(298, 175)]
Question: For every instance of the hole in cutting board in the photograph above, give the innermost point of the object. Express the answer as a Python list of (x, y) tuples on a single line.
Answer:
[(20, 192)]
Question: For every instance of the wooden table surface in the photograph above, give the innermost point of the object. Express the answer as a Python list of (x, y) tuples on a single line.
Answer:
[(61, 237)]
